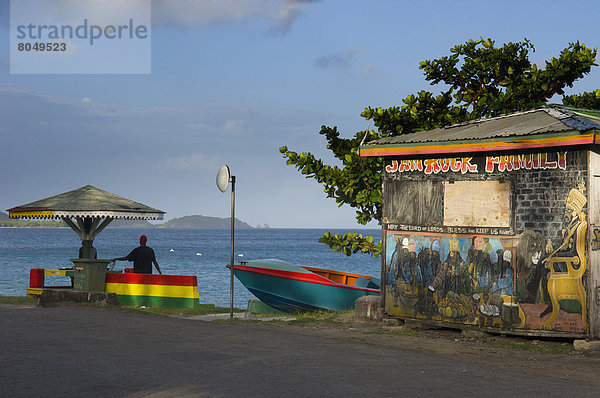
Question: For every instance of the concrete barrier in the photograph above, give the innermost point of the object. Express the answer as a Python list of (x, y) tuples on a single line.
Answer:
[(55, 297), (368, 309)]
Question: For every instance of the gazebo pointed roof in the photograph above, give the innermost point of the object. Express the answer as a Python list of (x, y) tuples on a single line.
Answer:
[(86, 202)]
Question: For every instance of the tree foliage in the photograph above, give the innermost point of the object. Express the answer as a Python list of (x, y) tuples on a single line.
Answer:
[(32, 224), (585, 100), (477, 80)]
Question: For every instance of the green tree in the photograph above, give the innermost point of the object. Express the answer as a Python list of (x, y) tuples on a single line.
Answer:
[(585, 100), (478, 80)]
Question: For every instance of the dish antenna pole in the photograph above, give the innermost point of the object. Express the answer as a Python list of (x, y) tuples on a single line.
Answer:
[(223, 179)]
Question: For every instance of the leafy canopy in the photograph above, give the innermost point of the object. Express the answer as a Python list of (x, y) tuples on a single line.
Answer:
[(585, 100), (477, 80)]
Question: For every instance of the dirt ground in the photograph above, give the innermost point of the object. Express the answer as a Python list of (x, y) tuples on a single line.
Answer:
[(551, 357), (100, 352)]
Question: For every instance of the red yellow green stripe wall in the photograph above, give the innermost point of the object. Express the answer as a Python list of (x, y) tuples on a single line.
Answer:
[(180, 291)]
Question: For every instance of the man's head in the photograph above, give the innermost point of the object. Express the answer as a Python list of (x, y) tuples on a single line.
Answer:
[(143, 240), (478, 243)]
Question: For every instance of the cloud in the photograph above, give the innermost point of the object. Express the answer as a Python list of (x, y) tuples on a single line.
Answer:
[(165, 157), (198, 13), (75, 11), (340, 60), (231, 125), (193, 161), (160, 132), (371, 73), (286, 17)]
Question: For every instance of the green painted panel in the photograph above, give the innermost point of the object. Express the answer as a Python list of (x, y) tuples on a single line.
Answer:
[(172, 302)]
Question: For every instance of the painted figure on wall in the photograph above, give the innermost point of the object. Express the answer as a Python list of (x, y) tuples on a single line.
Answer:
[(411, 272), (566, 264), (429, 260), (550, 280), (453, 274), (530, 269), (400, 251), (455, 290), (502, 275), (480, 264)]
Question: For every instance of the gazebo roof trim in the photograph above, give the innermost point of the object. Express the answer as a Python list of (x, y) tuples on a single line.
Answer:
[(87, 201)]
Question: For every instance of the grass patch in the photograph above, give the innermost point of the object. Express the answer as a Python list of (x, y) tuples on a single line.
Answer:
[(535, 346), (303, 318), (400, 332), (202, 309), (18, 300)]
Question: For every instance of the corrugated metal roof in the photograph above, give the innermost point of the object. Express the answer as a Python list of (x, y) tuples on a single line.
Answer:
[(533, 122)]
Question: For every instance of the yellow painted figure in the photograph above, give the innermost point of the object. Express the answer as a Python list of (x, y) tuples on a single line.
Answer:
[(567, 264)]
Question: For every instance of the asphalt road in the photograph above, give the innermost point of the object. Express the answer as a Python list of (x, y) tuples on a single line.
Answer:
[(94, 352)]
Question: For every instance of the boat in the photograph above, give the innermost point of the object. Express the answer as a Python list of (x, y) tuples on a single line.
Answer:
[(292, 288)]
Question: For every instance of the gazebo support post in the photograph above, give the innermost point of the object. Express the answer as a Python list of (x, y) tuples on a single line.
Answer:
[(87, 228), (86, 248)]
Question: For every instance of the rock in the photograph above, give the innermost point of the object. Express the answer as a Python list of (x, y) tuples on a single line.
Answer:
[(417, 324), (393, 329), (588, 346), (368, 309), (393, 322), (474, 334)]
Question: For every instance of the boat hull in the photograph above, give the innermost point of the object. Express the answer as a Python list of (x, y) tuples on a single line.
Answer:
[(291, 288)]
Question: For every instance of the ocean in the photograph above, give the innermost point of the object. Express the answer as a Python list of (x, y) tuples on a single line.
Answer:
[(200, 252)]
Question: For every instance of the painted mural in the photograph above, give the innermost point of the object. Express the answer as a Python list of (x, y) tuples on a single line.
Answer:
[(525, 281)]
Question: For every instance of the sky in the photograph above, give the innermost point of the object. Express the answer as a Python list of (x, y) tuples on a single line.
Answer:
[(231, 82)]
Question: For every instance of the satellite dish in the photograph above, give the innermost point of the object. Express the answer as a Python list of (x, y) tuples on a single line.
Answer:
[(223, 178)]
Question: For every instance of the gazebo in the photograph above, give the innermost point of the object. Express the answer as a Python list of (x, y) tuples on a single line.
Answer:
[(87, 210)]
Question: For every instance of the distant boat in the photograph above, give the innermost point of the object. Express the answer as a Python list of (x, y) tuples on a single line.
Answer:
[(290, 288)]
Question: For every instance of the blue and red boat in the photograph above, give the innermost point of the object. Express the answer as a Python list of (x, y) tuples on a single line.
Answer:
[(291, 288)]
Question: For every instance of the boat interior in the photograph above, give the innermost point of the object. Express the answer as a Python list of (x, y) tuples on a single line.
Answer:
[(346, 278)]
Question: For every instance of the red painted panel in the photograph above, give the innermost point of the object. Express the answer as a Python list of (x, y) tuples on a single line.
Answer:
[(36, 277), (149, 279)]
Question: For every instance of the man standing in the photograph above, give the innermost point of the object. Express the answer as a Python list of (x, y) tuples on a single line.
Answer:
[(142, 257)]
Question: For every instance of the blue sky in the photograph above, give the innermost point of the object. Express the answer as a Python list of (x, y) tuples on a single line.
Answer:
[(231, 82)]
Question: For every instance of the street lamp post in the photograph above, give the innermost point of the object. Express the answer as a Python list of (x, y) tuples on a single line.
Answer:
[(223, 179)]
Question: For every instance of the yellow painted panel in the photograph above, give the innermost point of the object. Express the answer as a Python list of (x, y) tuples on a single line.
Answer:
[(32, 214), (55, 272), (34, 291), (134, 289)]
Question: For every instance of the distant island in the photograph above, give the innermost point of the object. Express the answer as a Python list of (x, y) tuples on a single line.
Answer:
[(7, 222), (196, 221), (182, 222)]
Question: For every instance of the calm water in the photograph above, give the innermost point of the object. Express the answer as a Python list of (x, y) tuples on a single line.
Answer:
[(199, 252)]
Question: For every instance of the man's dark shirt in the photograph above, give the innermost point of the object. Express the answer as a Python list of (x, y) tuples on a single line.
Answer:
[(142, 257)]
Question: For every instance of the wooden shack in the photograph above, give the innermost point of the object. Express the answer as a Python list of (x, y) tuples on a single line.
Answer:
[(495, 224)]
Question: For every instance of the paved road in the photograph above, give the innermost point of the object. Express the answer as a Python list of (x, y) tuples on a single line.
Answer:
[(93, 352)]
